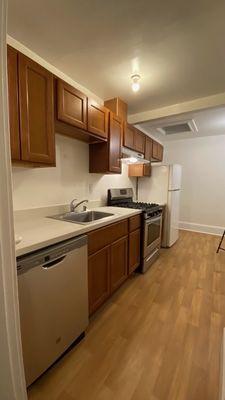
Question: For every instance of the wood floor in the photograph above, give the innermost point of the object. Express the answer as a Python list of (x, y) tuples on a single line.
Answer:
[(159, 337)]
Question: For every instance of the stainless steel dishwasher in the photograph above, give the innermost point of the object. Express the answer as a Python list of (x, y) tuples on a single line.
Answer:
[(53, 297)]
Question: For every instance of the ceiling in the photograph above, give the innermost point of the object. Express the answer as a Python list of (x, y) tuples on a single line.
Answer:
[(208, 122), (177, 46)]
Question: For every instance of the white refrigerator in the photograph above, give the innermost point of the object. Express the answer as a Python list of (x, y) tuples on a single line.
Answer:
[(163, 187)]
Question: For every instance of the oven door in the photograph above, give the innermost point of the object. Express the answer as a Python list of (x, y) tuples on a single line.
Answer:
[(152, 234)]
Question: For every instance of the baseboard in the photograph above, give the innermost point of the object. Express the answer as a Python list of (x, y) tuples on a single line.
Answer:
[(209, 229)]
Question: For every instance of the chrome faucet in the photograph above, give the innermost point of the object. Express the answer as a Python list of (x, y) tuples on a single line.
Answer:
[(73, 207)]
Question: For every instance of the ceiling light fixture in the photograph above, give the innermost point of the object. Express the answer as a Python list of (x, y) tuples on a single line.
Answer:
[(135, 82)]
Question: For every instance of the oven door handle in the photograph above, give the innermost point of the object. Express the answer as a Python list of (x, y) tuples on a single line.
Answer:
[(150, 220)]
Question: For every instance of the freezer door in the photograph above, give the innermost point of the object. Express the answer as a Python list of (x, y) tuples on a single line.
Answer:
[(175, 173), (173, 217)]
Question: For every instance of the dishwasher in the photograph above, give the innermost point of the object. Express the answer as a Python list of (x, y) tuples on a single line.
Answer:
[(53, 300)]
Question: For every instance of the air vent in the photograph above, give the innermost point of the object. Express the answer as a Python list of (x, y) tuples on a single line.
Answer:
[(179, 127)]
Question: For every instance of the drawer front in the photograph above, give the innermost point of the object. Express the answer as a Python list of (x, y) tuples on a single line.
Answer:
[(107, 235), (134, 223)]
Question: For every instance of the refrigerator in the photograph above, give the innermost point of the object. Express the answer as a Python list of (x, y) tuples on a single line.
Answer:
[(164, 187)]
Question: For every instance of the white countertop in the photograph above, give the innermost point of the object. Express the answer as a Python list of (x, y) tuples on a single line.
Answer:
[(38, 231)]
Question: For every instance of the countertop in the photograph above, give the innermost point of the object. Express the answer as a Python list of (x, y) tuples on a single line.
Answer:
[(38, 231)]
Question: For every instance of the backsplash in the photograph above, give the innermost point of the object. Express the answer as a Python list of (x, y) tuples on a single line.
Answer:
[(39, 187)]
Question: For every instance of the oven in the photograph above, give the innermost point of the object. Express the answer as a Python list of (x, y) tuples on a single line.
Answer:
[(151, 240)]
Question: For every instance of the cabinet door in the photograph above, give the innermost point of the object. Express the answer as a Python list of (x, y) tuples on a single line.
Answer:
[(134, 250), (147, 170), (128, 136), (115, 137), (98, 278), (139, 141), (154, 150), (71, 105), (36, 112), (160, 152), (98, 119), (12, 57), (148, 148), (118, 264)]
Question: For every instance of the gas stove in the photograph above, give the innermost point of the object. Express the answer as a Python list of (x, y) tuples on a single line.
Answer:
[(151, 225), (124, 198)]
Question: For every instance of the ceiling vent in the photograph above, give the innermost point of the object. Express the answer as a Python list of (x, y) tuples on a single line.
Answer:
[(178, 127)]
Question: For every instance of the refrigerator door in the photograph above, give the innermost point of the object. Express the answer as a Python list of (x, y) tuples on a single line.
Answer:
[(173, 217), (175, 173)]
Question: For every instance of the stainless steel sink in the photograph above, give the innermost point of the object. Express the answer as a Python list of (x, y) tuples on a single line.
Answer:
[(85, 217)]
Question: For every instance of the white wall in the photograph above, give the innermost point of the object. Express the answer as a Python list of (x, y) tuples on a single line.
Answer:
[(36, 187), (203, 181)]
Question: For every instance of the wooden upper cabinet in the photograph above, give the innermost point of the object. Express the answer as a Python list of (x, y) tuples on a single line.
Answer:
[(157, 151), (128, 136), (13, 97), (148, 148), (118, 107), (154, 150), (98, 119), (139, 170), (160, 152), (115, 137), (105, 157), (139, 141), (36, 112), (71, 105)]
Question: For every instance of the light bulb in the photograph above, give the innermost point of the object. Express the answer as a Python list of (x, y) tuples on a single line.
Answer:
[(135, 82), (135, 86)]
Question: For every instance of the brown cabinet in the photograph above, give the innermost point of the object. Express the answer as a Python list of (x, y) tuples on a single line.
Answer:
[(134, 249), (139, 141), (13, 88), (106, 157), (107, 261), (118, 263), (98, 278), (128, 135), (118, 107), (71, 105), (108, 234), (133, 138), (157, 151), (31, 110), (139, 170), (148, 148), (160, 152), (134, 223), (36, 112), (98, 119)]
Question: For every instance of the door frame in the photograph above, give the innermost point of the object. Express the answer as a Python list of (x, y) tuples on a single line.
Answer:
[(12, 380)]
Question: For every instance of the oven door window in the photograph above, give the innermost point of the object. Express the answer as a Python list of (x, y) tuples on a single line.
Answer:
[(153, 231)]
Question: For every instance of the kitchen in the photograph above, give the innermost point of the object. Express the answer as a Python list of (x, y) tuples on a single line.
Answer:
[(113, 194)]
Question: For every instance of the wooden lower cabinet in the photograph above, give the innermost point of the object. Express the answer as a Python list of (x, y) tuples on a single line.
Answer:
[(134, 249), (98, 278), (118, 263)]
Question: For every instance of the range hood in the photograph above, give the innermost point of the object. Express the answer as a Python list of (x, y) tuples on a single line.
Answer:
[(132, 157)]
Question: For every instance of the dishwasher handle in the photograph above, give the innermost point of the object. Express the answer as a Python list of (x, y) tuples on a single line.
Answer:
[(52, 263)]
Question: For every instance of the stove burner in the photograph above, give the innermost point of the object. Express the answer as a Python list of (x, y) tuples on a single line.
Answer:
[(125, 200)]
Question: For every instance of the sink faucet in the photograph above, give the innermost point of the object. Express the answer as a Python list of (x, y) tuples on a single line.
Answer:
[(73, 207)]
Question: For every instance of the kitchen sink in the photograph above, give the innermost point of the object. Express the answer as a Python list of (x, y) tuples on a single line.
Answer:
[(85, 217)]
